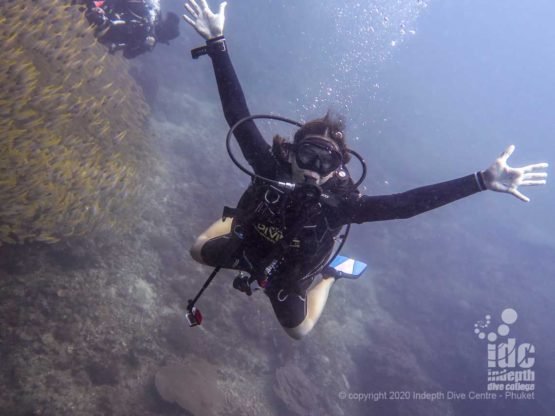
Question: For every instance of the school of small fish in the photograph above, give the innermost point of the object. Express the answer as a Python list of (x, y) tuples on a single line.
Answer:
[(72, 126)]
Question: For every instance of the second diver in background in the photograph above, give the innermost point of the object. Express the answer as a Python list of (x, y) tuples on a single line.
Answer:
[(134, 26)]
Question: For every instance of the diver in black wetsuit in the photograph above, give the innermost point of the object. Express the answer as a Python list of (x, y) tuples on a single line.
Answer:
[(134, 26), (284, 239)]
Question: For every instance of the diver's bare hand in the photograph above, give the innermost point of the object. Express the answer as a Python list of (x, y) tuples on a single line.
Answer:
[(205, 22), (501, 177)]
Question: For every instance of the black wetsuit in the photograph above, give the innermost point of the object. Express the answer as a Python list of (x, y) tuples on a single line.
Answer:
[(130, 23), (310, 245)]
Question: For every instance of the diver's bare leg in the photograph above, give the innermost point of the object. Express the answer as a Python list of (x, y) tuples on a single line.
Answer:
[(218, 229), (316, 299)]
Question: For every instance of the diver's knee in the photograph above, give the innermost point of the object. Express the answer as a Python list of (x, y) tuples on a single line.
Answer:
[(195, 251), (301, 330), (217, 229)]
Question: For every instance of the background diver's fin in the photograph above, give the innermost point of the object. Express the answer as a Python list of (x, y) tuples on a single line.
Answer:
[(345, 267)]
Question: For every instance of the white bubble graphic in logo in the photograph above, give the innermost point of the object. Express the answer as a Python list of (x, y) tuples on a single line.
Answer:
[(508, 316)]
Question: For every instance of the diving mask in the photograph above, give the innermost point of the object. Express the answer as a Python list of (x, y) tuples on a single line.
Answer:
[(318, 155)]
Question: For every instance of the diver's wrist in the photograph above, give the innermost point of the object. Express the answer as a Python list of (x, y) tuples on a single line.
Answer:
[(213, 46), (216, 45), (480, 181), (215, 39)]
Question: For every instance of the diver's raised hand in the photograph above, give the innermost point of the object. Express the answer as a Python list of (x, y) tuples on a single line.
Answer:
[(501, 177), (205, 22)]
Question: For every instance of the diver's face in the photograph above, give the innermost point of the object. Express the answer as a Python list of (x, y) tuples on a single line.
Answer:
[(315, 159)]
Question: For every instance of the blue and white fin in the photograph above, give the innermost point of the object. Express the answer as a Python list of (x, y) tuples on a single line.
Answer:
[(345, 267)]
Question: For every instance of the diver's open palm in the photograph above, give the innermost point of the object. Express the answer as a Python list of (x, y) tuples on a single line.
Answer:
[(501, 177), (205, 22)]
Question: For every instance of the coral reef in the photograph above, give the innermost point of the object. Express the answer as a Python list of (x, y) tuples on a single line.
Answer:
[(192, 386), (72, 126), (296, 390)]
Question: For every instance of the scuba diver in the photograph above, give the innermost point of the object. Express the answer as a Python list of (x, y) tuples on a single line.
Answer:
[(283, 230), (134, 26)]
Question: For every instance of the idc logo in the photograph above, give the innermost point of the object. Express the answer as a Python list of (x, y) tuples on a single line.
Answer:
[(509, 363)]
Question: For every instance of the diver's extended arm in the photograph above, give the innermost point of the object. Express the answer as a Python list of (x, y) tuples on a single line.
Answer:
[(365, 208), (498, 177), (211, 26)]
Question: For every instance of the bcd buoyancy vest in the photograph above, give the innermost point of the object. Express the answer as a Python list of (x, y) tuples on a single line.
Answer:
[(290, 231)]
